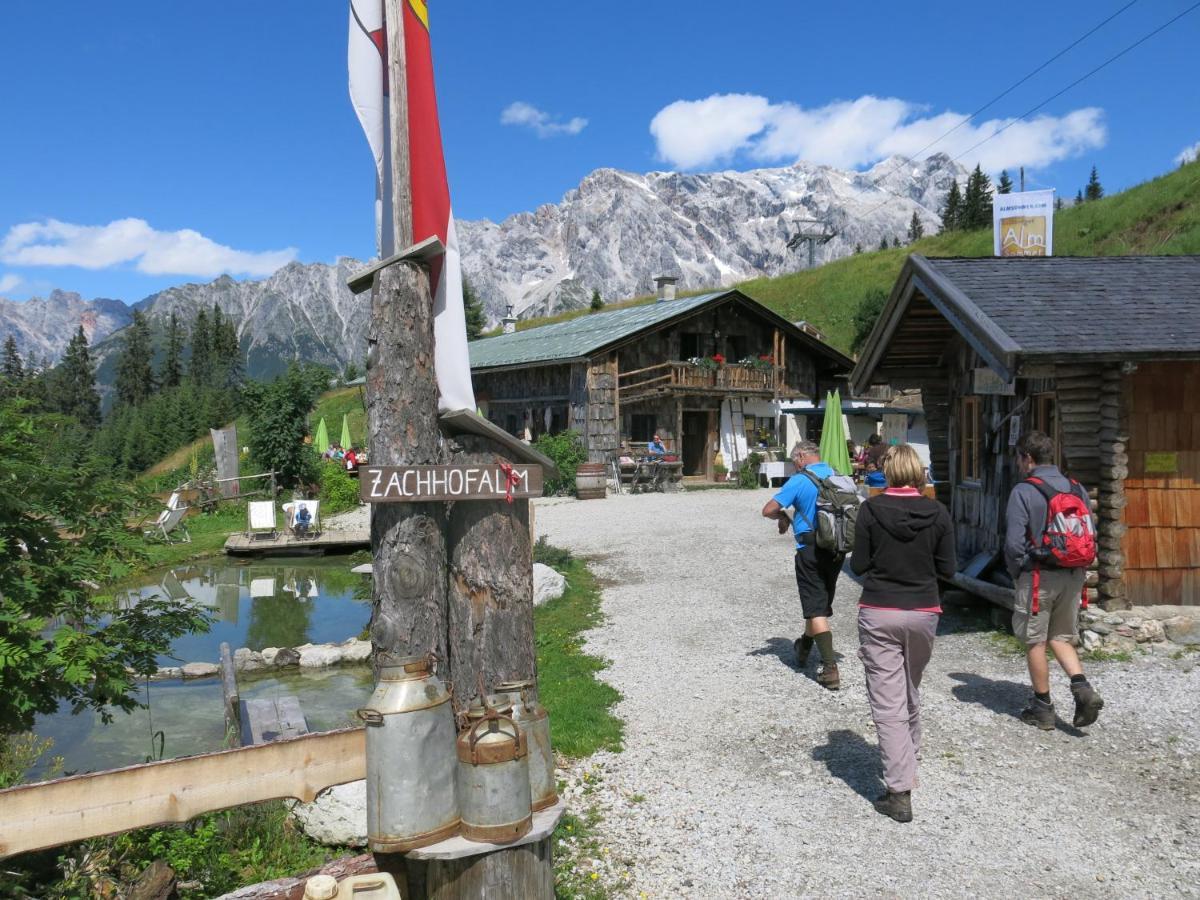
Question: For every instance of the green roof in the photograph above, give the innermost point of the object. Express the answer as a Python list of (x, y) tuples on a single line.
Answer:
[(579, 337)]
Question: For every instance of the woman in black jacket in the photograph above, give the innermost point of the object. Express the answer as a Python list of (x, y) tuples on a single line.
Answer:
[(903, 542)]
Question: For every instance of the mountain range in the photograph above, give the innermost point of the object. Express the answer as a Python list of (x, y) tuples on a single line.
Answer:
[(611, 234)]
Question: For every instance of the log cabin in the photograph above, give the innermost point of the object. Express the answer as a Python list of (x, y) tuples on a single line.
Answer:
[(694, 370), (1102, 354)]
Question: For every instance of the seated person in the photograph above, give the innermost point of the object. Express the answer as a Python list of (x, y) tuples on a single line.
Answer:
[(656, 449), (351, 460), (303, 520)]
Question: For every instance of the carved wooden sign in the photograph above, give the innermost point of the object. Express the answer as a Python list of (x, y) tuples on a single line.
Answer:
[(417, 484)]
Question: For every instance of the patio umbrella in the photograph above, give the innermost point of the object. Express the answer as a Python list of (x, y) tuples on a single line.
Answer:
[(833, 436), (346, 442), (321, 441)]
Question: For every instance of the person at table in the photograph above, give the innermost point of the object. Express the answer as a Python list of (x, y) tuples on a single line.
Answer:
[(350, 460), (656, 449)]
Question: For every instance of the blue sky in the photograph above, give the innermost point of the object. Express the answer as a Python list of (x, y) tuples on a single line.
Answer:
[(230, 122)]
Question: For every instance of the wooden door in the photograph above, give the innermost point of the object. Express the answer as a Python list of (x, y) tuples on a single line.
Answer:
[(695, 442), (1162, 511)]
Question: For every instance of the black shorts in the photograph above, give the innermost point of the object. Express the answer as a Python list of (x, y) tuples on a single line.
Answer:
[(816, 578)]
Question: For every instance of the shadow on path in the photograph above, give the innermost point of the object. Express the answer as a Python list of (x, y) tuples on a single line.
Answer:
[(848, 756), (1006, 698), (783, 649)]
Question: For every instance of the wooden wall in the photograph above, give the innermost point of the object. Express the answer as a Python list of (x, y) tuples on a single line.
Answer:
[(603, 432), (509, 394), (1162, 492)]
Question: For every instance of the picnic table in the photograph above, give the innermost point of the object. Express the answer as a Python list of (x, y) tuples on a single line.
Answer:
[(647, 474)]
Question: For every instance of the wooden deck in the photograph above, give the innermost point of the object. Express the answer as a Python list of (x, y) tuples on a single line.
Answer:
[(287, 544)]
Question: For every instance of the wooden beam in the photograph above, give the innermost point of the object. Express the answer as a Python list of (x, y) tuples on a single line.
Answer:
[(51, 813), (426, 250)]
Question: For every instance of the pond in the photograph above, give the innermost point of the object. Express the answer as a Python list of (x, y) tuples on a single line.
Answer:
[(255, 604)]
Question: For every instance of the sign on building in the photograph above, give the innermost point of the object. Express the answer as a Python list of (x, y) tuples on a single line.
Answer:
[(1023, 224), (985, 381), (415, 484)]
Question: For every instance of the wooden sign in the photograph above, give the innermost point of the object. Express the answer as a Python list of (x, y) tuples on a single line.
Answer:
[(985, 381), (417, 484), (1162, 463)]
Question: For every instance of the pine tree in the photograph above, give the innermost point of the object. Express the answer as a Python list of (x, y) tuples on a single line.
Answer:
[(1078, 197), (135, 375), (226, 351), (1058, 203), (895, 241), (952, 211), (74, 389), (857, 249), (200, 368), (476, 317), (977, 201), (1004, 185), (1094, 190), (172, 367), (916, 230), (883, 243), (597, 301)]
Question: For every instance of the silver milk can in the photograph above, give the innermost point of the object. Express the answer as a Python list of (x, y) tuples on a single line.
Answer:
[(493, 777), (412, 798), (533, 720)]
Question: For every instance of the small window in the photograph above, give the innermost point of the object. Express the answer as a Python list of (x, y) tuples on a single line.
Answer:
[(969, 439), (641, 428), (690, 345)]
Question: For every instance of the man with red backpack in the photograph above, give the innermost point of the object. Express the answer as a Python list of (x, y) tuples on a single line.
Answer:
[(1050, 541)]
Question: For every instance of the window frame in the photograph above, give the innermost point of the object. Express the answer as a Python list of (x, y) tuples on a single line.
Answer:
[(970, 437)]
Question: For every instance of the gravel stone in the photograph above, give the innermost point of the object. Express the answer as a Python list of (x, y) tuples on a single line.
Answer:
[(701, 612)]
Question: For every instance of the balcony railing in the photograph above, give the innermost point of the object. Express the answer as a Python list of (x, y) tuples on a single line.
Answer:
[(681, 376)]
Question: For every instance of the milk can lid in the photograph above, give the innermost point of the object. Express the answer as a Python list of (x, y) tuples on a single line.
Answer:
[(321, 887)]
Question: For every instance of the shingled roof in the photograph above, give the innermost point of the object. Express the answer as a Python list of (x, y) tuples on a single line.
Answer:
[(1049, 308), (585, 335)]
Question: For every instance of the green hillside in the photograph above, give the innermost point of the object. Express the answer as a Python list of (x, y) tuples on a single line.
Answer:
[(1160, 217)]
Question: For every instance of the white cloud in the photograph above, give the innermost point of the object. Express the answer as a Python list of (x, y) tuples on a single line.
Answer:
[(854, 133), (529, 116), (1188, 154), (185, 252), (9, 282)]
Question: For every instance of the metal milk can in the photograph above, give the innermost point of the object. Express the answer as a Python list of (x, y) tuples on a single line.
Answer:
[(493, 777), (533, 720), (412, 798)]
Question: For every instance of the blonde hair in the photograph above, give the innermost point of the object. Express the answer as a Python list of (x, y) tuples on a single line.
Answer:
[(902, 467)]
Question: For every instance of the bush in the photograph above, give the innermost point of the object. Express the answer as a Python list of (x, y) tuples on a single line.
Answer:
[(549, 555), (567, 452), (339, 492), (747, 475)]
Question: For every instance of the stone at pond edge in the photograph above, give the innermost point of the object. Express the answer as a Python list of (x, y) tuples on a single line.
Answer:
[(338, 817), (247, 660), (355, 650), (319, 656), (1182, 630), (200, 670), (286, 657), (547, 584)]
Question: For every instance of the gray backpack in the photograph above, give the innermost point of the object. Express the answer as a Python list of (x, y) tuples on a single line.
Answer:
[(837, 512)]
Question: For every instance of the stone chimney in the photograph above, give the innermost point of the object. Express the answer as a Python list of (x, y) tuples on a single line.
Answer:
[(509, 322), (666, 287)]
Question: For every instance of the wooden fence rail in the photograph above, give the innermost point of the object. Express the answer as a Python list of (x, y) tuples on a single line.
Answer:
[(51, 813)]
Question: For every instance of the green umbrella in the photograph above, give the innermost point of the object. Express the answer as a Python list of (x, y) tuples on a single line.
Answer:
[(346, 442), (322, 439), (833, 436)]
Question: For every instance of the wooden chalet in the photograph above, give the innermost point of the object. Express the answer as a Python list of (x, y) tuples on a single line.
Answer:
[(1103, 354), (619, 377)]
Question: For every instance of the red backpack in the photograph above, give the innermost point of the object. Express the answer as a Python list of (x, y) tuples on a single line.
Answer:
[(1069, 536)]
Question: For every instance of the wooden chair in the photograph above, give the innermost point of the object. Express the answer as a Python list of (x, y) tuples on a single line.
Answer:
[(168, 522)]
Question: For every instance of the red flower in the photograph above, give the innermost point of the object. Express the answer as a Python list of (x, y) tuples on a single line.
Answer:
[(765, 358), (718, 359)]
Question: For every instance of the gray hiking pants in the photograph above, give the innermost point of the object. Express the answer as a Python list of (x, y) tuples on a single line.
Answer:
[(895, 646)]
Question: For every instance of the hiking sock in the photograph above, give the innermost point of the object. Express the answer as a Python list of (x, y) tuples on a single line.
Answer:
[(1045, 698), (824, 642), (1078, 679)]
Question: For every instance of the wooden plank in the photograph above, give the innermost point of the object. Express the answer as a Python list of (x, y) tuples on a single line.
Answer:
[(459, 847), (420, 484), (993, 593), (287, 544), (51, 813), (426, 250), (229, 694), (273, 719)]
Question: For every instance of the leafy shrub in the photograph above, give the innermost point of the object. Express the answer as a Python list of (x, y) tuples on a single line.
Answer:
[(339, 492), (549, 555), (747, 475), (568, 452)]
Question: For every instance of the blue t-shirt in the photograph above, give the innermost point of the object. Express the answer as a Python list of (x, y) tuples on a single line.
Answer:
[(656, 448), (799, 493)]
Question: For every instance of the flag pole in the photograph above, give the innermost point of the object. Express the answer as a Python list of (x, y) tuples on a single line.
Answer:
[(402, 229)]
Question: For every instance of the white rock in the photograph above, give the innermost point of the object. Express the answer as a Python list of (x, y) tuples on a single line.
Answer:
[(364, 569), (354, 650), (169, 672), (319, 656), (1091, 640), (247, 660), (200, 670), (268, 655), (548, 584), (338, 817)]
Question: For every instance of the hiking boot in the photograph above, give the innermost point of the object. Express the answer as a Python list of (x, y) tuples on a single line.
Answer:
[(1088, 704), (1039, 713), (827, 677), (803, 649), (895, 805)]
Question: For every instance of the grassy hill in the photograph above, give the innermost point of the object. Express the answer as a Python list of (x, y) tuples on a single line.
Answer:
[(1160, 217)]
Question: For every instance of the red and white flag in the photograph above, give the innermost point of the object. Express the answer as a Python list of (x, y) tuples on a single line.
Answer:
[(431, 214)]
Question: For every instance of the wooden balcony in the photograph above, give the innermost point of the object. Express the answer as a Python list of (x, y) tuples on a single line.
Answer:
[(685, 378)]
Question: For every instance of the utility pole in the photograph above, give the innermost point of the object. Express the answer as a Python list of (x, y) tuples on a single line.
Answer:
[(1022, 179), (811, 232)]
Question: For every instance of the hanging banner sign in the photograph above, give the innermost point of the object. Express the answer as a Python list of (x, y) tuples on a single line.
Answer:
[(985, 381), (1023, 224), (417, 484)]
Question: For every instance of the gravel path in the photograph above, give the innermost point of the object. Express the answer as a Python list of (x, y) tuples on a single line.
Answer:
[(742, 778)]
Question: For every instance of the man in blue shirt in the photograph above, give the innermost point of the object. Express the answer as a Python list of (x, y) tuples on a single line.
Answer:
[(656, 448), (816, 569)]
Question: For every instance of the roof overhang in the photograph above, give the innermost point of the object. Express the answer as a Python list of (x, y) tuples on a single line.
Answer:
[(910, 336)]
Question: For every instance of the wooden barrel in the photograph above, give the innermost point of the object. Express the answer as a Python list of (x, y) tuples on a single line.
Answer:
[(591, 482)]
